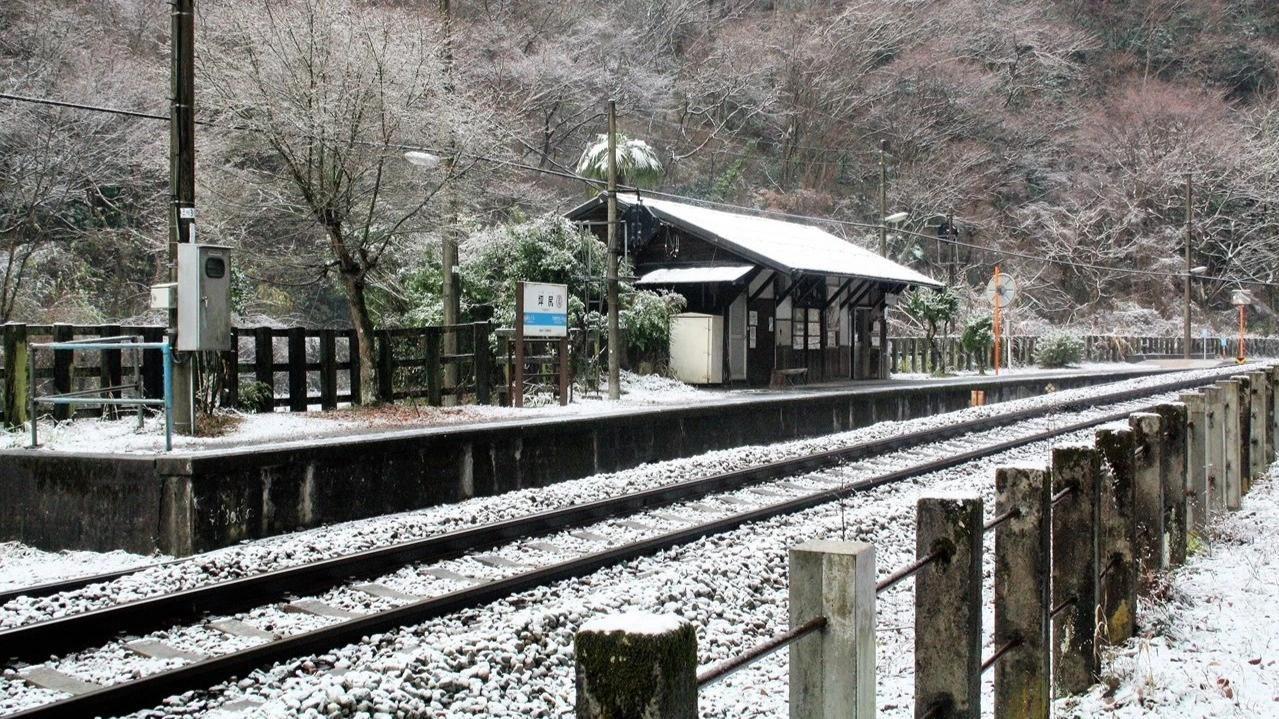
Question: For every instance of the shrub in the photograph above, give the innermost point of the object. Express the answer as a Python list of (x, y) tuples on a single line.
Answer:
[(256, 397), (1058, 349), (978, 338)]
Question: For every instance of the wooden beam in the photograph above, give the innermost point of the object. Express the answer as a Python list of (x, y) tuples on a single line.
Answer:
[(838, 292), (853, 299)]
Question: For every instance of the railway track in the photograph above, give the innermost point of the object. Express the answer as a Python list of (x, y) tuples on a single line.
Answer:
[(640, 536)]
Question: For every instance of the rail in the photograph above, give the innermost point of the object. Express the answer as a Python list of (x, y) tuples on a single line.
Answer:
[(1072, 541), (108, 395)]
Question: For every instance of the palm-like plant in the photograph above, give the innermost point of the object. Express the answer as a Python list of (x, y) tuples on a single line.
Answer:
[(637, 163)]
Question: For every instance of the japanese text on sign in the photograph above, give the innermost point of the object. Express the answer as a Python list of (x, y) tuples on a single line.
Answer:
[(545, 310)]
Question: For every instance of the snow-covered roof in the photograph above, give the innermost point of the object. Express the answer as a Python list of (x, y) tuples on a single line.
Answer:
[(698, 275), (788, 247)]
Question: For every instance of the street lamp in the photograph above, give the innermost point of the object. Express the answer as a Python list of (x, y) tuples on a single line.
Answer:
[(448, 290), (894, 219)]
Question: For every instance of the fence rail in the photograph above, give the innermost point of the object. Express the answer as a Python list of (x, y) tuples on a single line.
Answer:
[(915, 354), (1075, 543), (270, 368)]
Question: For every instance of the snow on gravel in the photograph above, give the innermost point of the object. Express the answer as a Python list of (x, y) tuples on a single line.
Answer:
[(312, 545), (514, 657)]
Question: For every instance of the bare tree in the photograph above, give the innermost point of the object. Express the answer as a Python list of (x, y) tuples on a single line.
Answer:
[(325, 97)]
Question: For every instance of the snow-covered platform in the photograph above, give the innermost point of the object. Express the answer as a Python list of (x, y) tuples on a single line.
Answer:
[(194, 500)]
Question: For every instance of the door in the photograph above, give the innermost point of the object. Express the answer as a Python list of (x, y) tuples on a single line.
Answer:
[(760, 335)]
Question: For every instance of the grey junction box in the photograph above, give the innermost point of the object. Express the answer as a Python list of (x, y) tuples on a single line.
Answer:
[(204, 298)]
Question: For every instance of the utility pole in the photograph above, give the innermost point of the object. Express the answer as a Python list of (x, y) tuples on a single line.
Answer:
[(182, 190), (448, 237), (614, 330), (1185, 335), (883, 200)]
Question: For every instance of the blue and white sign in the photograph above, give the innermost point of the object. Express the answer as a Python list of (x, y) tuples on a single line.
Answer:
[(545, 310)]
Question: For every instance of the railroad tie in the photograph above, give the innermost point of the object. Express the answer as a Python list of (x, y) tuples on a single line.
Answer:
[(159, 650), (548, 548), (384, 592), (317, 608), (47, 678), (450, 575), (237, 628), (498, 562)]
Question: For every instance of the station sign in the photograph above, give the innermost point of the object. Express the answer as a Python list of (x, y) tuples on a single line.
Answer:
[(545, 310)]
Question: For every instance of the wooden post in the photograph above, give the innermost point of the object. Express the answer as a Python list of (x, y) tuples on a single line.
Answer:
[(434, 367), (63, 369), (1196, 463), (297, 369), (264, 365), (483, 363), (1117, 581), (563, 373), (1076, 469), (15, 391), (230, 360), (353, 359), (110, 370), (1231, 394), (1174, 482), (948, 607), (153, 364), (1148, 509), (636, 665), (328, 370), (832, 672), (385, 367), (1022, 557)]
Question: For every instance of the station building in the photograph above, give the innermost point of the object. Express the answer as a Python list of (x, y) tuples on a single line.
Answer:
[(769, 301)]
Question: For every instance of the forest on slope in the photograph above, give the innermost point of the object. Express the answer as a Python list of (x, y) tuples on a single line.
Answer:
[(1060, 134)]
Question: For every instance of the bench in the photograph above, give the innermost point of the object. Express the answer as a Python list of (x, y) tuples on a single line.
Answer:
[(789, 377)]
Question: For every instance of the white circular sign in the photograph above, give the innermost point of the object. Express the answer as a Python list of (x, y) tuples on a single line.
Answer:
[(1007, 290)]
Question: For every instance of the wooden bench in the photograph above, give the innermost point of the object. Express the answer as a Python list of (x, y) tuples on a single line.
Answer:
[(789, 377)]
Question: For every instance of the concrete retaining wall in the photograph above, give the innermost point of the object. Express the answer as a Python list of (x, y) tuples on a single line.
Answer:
[(186, 503)]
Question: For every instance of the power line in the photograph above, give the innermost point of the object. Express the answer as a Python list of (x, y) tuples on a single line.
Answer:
[(657, 193)]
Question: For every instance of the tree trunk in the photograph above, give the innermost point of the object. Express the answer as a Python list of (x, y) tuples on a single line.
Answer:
[(353, 283)]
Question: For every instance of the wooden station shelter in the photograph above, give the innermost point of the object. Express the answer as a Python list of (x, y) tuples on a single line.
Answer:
[(793, 300)]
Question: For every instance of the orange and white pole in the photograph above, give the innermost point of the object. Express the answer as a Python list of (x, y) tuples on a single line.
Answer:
[(996, 319)]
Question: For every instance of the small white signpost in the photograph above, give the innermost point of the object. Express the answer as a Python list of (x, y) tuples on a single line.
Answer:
[(541, 313)]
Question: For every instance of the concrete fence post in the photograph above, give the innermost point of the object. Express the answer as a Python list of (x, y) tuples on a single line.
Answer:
[(1174, 482), (1244, 438), (1077, 469), (1274, 414), (1231, 465), (14, 395), (1258, 423), (948, 607), (1022, 556), (1214, 449), (1148, 507), (1196, 463), (1117, 581), (832, 672), (636, 665)]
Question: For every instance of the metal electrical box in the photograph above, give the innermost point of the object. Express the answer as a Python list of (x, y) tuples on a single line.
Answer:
[(697, 348), (204, 298)]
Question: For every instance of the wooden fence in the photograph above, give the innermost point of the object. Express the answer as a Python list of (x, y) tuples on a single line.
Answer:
[(913, 354), (293, 368)]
